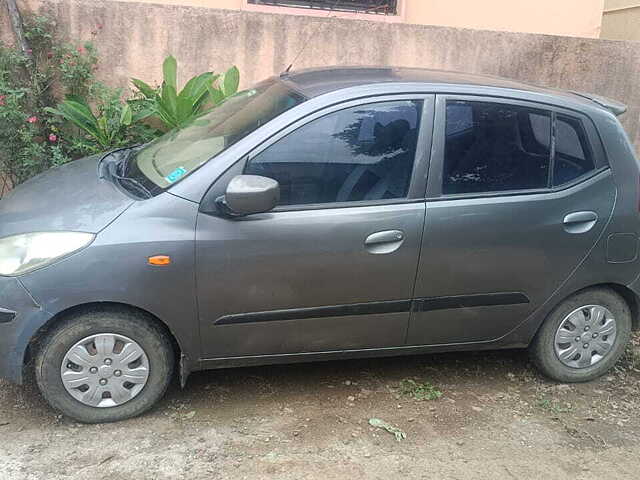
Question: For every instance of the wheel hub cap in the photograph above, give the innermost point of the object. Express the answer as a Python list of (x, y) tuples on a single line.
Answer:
[(585, 336), (105, 370)]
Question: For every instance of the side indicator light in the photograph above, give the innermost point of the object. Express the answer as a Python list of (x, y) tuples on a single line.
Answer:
[(159, 260)]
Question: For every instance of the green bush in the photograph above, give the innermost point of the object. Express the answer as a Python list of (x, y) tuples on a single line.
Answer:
[(25, 148), (32, 136), (114, 123), (201, 93), (53, 110)]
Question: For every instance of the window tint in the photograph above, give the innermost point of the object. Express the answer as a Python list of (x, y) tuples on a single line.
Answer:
[(459, 118), (494, 147), (573, 155), (361, 153), (540, 128)]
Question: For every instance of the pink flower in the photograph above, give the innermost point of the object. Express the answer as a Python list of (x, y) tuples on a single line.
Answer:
[(29, 51), (53, 137), (32, 119), (80, 50), (50, 55), (2, 97)]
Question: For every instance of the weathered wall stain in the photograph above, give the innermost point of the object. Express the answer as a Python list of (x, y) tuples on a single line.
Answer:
[(135, 37)]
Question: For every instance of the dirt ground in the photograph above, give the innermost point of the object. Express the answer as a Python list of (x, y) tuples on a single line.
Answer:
[(496, 418)]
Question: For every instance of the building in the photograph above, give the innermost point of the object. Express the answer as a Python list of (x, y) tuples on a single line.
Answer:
[(621, 20), (575, 18)]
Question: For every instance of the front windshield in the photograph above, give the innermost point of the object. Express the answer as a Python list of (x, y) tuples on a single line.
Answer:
[(181, 151)]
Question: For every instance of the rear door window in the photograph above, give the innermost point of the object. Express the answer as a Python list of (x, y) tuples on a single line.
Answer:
[(494, 147), (498, 147)]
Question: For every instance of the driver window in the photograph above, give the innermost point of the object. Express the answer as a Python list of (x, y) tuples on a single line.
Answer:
[(360, 153)]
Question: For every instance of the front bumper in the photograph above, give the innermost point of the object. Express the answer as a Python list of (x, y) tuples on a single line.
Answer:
[(20, 318)]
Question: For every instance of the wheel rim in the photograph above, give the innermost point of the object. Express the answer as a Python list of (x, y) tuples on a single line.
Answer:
[(105, 370), (585, 336)]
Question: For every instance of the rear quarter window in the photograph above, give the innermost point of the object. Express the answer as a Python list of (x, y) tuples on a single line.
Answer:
[(574, 156)]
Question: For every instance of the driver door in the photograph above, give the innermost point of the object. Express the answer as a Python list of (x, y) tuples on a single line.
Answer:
[(333, 266)]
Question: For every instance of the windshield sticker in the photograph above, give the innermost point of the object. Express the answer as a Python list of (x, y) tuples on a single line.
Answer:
[(175, 175)]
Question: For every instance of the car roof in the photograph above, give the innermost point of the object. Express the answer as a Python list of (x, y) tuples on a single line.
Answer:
[(318, 81)]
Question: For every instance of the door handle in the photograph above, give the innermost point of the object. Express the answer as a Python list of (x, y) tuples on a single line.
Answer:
[(580, 222), (387, 241)]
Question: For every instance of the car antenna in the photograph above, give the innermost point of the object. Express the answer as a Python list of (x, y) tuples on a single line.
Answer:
[(304, 45)]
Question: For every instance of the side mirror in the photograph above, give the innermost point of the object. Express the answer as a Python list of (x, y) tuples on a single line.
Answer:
[(247, 194)]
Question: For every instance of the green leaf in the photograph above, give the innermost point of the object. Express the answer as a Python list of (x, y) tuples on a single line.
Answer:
[(53, 111), (78, 102), (166, 116), (230, 81), (144, 88), (197, 106), (77, 99), (81, 116), (184, 110), (197, 86), (142, 114), (193, 96), (126, 116), (102, 125), (215, 95), (169, 99), (170, 72)]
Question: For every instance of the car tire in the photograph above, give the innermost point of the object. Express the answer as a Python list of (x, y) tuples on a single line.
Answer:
[(134, 334), (555, 357)]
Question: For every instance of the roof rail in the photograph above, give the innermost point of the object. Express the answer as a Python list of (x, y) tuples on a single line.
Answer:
[(613, 106)]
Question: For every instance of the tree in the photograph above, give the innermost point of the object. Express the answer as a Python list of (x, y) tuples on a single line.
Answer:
[(18, 29)]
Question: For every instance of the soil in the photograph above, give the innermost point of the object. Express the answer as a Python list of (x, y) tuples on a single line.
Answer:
[(497, 418)]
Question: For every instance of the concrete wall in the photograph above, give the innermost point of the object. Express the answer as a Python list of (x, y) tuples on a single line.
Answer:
[(621, 20), (579, 18), (135, 37)]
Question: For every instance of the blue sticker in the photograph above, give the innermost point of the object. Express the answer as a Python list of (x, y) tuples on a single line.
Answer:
[(175, 175)]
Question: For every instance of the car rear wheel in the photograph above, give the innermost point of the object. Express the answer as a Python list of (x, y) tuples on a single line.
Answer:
[(583, 337), (104, 366)]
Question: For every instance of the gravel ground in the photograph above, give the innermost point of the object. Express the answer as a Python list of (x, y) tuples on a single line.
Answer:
[(473, 415)]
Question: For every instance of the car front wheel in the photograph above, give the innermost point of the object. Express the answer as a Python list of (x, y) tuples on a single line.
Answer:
[(583, 337), (104, 366)]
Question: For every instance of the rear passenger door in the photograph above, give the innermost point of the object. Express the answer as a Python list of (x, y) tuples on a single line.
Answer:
[(518, 194)]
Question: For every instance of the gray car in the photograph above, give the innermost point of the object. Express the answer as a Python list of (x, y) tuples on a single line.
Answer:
[(327, 214)]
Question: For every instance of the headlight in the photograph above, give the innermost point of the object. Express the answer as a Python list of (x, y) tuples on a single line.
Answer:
[(22, 253)]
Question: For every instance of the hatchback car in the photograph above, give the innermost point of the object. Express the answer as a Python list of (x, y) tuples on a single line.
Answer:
[(327, 214)]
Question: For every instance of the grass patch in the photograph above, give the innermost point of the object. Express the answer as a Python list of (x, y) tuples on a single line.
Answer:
[(553, 406), (419, 390)]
